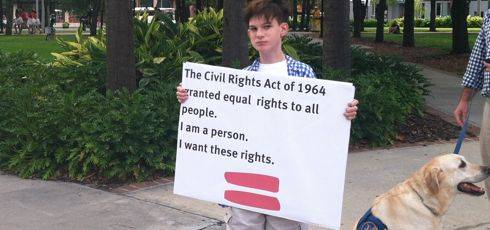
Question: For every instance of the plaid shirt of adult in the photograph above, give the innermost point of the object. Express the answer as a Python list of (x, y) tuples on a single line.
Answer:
[(295, 68), (475, 76)]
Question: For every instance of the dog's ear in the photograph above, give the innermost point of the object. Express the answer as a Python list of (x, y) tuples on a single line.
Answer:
[(433, 178)]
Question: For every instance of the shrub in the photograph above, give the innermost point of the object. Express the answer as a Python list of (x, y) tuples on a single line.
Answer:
[(66, 24), (474, 21), (369, 22), (444, 22)]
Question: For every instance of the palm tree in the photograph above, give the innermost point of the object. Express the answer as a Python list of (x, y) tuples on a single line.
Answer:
[(408, 33), (121, 69), (380, 20), (432, 23), (459, 13), (235, 43), (336, 40)]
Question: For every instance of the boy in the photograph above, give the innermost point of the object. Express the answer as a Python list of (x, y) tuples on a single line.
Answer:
[(267, 26)]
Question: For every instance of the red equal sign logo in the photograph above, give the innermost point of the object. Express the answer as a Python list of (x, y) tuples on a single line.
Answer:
[(255, 181)]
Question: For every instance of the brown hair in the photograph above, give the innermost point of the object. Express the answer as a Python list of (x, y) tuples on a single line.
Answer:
[(269, 9)]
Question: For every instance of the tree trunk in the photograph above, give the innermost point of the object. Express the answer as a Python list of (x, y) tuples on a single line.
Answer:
[(307, 9), (199, 5), (357, 9), (219, 5), (95, 6), (9, 14), (408, 21), (235, 44), (380, 20), (1, 17), (459, 13), (295, 15), (102, 12), (121, 69), (432, 24), (336, 40), (180, 10), (364, 12)]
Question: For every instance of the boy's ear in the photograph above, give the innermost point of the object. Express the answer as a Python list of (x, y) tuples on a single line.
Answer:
[(284, 29)]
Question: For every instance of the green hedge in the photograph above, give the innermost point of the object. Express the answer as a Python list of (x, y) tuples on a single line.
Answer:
[(441, 22)]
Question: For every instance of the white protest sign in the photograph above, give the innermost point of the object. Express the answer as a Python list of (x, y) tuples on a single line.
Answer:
[(270, 144)]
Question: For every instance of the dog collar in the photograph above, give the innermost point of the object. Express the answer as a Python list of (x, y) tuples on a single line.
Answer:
[(369, 222), (434, 212)]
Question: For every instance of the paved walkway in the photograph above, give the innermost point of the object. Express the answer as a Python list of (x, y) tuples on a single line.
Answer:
[(34, 204)]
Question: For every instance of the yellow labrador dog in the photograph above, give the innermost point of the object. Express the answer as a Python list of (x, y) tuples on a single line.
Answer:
[(420, 201)]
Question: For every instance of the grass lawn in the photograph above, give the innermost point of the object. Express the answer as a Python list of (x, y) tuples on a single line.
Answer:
[(35, 43), (424, 29), (441, 41)]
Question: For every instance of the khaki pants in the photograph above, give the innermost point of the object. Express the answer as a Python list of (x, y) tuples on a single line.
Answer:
[(485, 141), (239, 219)]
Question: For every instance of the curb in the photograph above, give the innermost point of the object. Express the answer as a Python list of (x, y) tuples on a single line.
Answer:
[(142, 185)]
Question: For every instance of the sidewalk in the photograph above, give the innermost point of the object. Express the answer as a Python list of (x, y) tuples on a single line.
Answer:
[(34, 204)]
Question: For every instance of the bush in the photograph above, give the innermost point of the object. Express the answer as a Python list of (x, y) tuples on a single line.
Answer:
[(421, 22), (444, 22), (369, 22), (474, 21), (66, 24)]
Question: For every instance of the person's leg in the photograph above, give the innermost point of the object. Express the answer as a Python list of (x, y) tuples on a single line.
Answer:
[(278, 223), (485, 141), (239, 219)]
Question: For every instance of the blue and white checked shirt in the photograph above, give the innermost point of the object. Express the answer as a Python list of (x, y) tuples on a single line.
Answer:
[(295, 68), (476, 77)]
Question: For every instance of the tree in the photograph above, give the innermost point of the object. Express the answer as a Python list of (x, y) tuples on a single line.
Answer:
[(121, 69), (408, 30), (219, 4), (199, 5), (235, 43), (357, 10), (295, 15), (459, 13), (9, 14), (432, 23), (305, 15), (336, 40), (380, 20)]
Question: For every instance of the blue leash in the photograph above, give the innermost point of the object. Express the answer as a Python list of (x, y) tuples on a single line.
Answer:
[(462, 133)]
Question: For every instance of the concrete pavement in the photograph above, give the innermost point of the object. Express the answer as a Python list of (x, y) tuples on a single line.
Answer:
[(445, 93), (34, 204)]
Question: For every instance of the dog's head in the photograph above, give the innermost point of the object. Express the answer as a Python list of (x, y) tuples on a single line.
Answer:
[(455, 172)]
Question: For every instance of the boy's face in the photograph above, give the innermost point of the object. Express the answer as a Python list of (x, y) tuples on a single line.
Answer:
[(266, 36)]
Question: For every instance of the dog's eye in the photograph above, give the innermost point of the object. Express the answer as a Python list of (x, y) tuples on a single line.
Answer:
[(462, 165)]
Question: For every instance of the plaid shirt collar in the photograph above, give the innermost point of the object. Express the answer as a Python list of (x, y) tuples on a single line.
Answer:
[(289, 60)]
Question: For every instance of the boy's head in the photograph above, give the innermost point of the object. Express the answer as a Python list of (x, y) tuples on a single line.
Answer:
[(269, 9), (267, 25)]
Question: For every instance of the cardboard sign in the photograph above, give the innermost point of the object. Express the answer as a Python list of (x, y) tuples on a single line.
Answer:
[(271, 144)]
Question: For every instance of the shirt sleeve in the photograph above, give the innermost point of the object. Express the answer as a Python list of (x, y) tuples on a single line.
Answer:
[(473, 77)]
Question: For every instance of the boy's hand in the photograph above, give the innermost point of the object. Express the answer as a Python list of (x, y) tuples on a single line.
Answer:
[(181, 94), (351, 110)]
